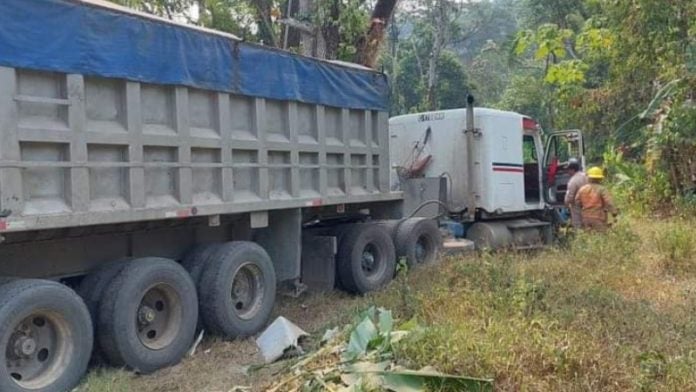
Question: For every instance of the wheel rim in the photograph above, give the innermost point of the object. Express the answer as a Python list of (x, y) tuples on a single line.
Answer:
[(247, 290), (39, 349), (371, 261), (159, 316)]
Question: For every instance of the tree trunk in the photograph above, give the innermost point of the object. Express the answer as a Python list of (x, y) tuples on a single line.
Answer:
[(330, 32), (263, 19), (307, 40), (369, 45), (291, 37), (440, 25)]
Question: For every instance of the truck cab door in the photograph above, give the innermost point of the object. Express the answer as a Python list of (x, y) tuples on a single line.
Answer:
[(560, 147)]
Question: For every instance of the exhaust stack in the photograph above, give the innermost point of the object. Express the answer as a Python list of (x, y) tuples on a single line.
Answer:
[(471, 161)]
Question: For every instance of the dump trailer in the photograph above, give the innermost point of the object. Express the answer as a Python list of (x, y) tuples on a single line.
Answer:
[(492, 176), (157, 178)]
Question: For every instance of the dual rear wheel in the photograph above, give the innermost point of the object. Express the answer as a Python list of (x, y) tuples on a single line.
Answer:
[(368, 252), (147, 310)]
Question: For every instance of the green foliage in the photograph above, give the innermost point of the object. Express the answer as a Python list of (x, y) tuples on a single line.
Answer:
[(451, 90), (620, 72), (165, 8), (633, 186), (235, 17), (349, 18), (566, 73), (547, 41), (527, 94)]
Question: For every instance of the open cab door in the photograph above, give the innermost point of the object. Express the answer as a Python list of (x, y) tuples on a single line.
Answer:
[(560, 147)]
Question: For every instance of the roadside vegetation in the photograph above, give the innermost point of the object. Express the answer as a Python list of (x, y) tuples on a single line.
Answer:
[(600, 312)]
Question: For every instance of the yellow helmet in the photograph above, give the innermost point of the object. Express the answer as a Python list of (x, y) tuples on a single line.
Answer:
[(595, 173)]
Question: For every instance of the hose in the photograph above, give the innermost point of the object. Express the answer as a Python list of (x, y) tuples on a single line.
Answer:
[(428, 202)]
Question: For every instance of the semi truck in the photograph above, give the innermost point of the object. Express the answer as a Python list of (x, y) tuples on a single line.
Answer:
[(159, 178)]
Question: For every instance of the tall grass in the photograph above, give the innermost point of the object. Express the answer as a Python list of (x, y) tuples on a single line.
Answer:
[(676, 243), (562, 320)]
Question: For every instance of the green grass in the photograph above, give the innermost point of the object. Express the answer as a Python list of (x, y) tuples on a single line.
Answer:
[(106, 380), (677, 245), (599, 314)]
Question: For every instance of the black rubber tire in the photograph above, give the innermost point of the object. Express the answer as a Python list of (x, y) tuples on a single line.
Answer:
[(349, 259), (195, 260), (93, 285), (408, 235), (91, 290), (390, 225), (118, 315), (218, 309), (18, 299)]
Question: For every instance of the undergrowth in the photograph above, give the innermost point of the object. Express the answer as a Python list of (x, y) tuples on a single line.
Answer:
[(677, 246), (603, 313)]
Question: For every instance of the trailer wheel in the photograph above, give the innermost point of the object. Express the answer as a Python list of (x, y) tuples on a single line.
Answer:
[(237, 290), (91, 290), (147, 317), (366, 258), (195, 260), (46, 336), (93, 285), (418, 240)]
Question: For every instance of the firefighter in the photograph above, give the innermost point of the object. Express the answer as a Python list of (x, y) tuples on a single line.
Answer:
[(595, 202), (577, 180)]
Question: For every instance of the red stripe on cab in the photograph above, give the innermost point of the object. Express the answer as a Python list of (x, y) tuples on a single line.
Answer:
[(508, 170)]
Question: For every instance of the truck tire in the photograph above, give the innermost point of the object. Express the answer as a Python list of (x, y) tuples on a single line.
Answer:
[(91, 290), (93, 285), (194, 260), (245, 270), (366, 258), (46, 334), (147, 316), (418, 240)]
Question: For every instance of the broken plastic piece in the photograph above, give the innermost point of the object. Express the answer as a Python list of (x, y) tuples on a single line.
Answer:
[(278, 338)]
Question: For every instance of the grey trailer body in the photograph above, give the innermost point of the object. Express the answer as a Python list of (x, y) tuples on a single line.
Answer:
[(84, 151), (156, 177)]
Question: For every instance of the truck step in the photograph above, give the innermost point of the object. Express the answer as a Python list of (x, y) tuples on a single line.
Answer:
[(526, 225), (452, 247)]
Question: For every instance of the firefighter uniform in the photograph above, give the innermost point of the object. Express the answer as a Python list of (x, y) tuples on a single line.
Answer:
[(595, 202)]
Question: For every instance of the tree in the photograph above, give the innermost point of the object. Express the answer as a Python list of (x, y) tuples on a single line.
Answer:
[(165, 8), (368, 47), (411, 84)]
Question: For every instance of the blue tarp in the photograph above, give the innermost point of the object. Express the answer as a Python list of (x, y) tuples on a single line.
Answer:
[(66, 36)]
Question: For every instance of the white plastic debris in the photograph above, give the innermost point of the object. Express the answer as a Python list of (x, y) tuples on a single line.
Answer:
[(280, 336), (192, 350)]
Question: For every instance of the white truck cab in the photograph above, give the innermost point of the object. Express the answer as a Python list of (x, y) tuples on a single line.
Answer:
[(514, 169)]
